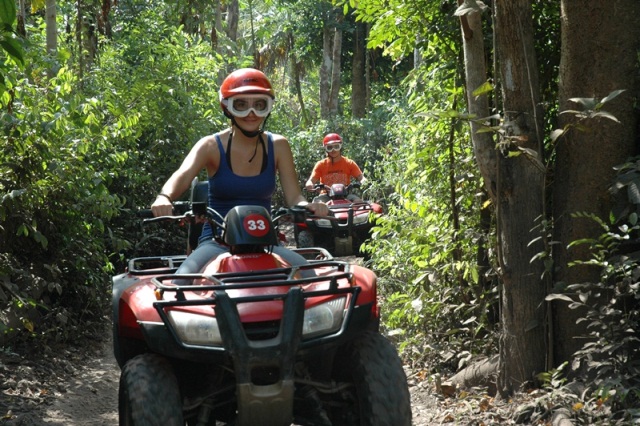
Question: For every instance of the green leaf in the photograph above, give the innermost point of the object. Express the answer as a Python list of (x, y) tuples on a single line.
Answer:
[(484, 88), (605, 114), (555, 134), (22, 230), (37, 5), (633, 192), (587, 103), (8, 11), (13, 48), (558, 296), (611, 95)]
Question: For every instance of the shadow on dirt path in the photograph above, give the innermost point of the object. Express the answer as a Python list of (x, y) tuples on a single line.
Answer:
[(65, 386), (91, 396)]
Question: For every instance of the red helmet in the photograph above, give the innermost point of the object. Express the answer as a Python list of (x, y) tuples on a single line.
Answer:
[(331, 138), (245, 81)]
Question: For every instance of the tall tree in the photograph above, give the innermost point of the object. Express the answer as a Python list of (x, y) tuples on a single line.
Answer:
[(478, 104), (22, 17), (79, 40), (331, 65), (233, 16), (606, 36), (296, 66), (519, 198), (52, 28), (359, 71)]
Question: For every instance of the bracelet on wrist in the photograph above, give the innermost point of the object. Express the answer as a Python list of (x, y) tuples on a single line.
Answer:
[(162, 194)]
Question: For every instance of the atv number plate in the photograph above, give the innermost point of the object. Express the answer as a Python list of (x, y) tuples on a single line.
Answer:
[(256, 225)]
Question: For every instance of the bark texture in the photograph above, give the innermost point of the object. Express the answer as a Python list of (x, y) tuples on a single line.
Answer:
[(520, 185), (475, 76), (600, 44), (358, 72)]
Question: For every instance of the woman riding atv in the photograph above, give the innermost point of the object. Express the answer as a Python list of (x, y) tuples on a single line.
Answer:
[(241, 163)]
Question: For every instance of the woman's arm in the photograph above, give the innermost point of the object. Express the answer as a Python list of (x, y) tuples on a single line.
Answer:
[(204, 154)]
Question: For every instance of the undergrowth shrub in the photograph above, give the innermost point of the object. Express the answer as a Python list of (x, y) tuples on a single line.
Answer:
[(608, 364), (437, 299)]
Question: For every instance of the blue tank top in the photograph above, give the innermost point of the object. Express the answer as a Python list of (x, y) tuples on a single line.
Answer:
[(227, 190)]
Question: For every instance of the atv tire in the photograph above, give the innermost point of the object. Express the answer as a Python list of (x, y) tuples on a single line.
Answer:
[(149, 394), (305, 239), (381, 397)]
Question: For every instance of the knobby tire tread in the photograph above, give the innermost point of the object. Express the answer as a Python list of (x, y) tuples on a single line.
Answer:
[(149, 393)]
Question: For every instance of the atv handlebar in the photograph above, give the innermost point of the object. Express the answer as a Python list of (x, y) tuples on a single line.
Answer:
[(179, 208), (187, 212), (318, 187), (296, 214), (199, 212)]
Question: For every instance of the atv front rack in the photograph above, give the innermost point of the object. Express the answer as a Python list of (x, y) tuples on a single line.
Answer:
[(225, 307), (169, 264), (276, 277)]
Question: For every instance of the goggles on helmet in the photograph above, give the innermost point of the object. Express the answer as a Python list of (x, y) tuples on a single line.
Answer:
[(242, 105), (333, 147)]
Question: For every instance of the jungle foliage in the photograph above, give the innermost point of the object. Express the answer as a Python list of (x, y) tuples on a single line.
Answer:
[(83, 151)]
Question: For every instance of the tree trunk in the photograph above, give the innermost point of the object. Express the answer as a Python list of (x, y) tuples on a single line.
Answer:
[(52, 29), (520, 187), (336, 63), (358, 72), (104, 24), (216, 30), (325, 72), (79, 43), (254, 42), (367, 67), (295, 77), (21, 18), (604, 35), (233, 16), (475, 76)]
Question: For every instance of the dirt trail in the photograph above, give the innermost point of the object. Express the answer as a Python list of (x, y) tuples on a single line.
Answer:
[(79, 387), (63, 386), (91, 395)]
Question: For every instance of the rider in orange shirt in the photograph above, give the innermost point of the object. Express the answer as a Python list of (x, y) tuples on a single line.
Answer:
[(335, 168)]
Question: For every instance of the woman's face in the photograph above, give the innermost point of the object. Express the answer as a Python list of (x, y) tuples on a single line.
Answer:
[(250, 109)]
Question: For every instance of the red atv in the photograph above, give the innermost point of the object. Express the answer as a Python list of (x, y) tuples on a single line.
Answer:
[(251, 340), (349, 227)]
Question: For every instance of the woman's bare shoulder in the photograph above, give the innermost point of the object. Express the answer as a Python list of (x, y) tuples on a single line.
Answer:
[(209, 142), (279, 138)]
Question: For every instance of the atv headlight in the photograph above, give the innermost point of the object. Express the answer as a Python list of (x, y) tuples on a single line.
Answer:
[(196, 329), (360, 218), (324, 319), (323, 223)]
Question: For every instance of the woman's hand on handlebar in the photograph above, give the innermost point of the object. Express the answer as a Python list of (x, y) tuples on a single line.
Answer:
[(162, 207)]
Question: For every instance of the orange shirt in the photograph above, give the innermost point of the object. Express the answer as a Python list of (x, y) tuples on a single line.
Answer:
[(341, 171)]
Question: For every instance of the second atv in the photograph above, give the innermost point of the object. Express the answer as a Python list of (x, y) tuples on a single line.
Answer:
[(350, 226)]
